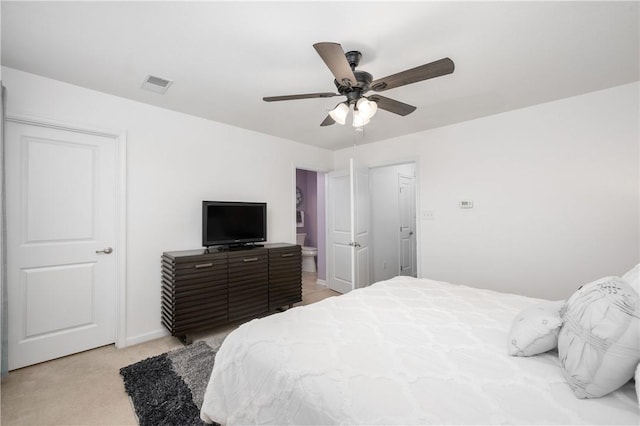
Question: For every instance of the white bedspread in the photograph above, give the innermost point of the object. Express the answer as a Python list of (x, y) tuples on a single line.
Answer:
[(402, 351)]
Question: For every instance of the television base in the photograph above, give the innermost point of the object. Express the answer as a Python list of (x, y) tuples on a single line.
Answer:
[(234, 247)]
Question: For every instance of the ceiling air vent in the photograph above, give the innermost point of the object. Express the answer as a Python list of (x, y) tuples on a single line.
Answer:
[(156, 84)]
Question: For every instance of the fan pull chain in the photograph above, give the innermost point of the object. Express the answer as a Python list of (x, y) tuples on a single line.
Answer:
[(356, 131)]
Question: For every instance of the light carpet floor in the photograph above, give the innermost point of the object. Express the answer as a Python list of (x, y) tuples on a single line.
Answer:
[(86, 388)]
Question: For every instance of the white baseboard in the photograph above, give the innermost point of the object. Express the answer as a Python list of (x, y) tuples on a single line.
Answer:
[(321, 282), (141, 338)]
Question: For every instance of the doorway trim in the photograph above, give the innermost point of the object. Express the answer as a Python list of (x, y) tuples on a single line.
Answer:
[(120, 138), (297, 166)]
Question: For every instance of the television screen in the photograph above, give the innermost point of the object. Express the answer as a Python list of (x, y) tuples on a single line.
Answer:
[(233, 223)]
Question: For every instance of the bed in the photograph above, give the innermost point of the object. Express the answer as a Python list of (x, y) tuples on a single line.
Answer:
[(402, 351)]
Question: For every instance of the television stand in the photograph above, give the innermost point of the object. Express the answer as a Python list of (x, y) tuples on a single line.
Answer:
[(202, 289), (237, 247)]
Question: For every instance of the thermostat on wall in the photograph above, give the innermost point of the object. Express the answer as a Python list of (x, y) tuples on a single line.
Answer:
[(465, 204)]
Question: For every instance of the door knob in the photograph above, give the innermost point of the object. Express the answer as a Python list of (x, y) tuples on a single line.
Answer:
[(108, 250)]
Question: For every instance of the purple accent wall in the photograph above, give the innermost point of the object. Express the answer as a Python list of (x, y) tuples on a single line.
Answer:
[(311, 210), (301, 182), (321, 235), (306, 181)]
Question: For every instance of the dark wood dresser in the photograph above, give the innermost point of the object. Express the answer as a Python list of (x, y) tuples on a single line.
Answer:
[(203, 289)]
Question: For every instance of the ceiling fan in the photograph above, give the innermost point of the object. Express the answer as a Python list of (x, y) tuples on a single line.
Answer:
[(354, 84)]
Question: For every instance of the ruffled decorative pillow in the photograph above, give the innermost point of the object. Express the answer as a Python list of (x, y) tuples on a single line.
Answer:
[(633, 278), (535, 330), (637, 376), (599, 344)]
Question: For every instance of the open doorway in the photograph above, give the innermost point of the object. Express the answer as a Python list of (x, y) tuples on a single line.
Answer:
[(310, 221), (393, 221)]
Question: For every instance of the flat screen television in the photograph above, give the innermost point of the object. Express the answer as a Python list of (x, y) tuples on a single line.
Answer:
[(233, 224)]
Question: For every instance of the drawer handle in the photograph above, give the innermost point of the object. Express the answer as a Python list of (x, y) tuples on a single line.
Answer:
[(287, 255), (250, 259), (204, 265)]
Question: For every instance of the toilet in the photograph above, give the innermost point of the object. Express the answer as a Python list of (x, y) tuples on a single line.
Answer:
[(308, 254)]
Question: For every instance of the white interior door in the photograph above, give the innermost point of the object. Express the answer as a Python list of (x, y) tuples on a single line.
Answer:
[(348, 223), (360, 224), (61, 217), (407, 216), (339, 265)]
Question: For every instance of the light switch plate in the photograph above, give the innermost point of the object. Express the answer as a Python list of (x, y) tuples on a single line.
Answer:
[(428, 215)]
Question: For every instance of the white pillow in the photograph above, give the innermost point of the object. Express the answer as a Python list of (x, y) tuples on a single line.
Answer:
[(633, 278), (637, 377), (535, 330), (599, 344)]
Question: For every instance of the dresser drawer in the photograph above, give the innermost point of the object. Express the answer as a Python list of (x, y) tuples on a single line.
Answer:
[(192, 266)]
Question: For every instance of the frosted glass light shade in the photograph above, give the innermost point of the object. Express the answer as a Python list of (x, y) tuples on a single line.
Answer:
[(359, 119), (367, 107), (339, 113)]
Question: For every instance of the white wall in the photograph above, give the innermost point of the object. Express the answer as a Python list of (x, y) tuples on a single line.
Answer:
[(385, 219), (3, 253), (174, 161), (555, 189)]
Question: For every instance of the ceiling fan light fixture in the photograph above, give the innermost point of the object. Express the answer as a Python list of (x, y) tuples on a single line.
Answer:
[(359, 119), (339, 113), (367, 108), (353, 84)]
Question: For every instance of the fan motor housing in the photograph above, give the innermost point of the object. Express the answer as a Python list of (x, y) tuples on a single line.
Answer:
[(354, 92)]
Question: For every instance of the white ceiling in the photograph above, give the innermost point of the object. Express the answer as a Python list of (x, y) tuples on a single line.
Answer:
[(225, 56)]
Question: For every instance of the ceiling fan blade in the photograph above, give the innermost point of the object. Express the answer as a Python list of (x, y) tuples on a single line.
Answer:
[(333, 55), (393, 106), (303, 96), (328, 121), (423, 72)]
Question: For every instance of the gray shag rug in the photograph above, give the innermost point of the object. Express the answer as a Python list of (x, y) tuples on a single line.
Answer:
[(168, 389)]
